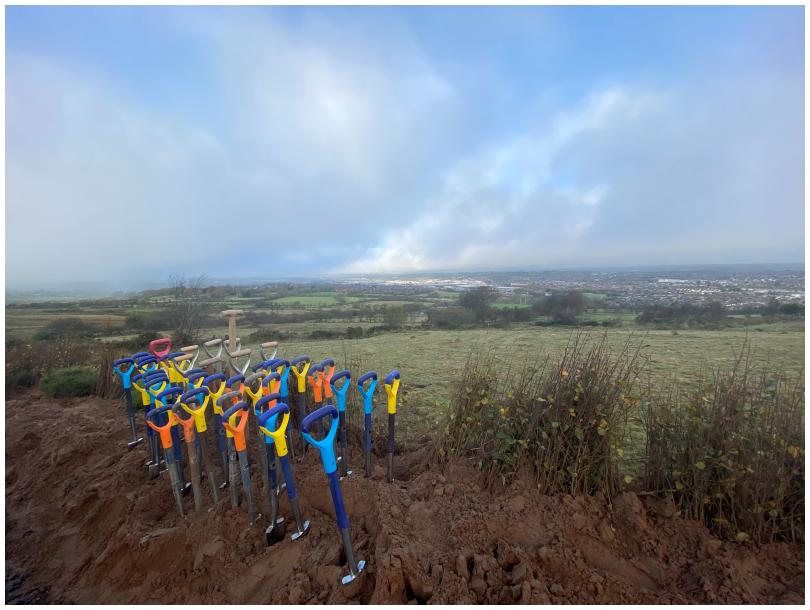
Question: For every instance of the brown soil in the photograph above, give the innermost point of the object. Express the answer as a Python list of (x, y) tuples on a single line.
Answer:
[(85, 525)]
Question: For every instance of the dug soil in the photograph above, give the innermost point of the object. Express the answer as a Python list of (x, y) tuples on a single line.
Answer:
[(85, 525)]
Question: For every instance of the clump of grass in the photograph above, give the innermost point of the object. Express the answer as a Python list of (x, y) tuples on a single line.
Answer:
[(30, 361), (731, 451), (70, 382), (107, 384), (568, 420)]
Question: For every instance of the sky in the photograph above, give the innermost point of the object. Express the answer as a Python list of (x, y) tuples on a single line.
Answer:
[(292, 142)]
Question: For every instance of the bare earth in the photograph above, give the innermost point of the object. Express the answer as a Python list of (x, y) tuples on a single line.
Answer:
[(85, 525)]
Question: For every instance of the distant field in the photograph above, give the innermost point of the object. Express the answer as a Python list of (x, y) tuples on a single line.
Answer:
[(431, 359), (511, 305), (317, 300)]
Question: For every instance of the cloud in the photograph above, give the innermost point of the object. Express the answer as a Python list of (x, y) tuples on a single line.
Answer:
[(348, 142), (707, 170)]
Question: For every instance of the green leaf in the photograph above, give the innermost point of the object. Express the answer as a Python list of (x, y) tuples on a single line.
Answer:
[(700, 465)]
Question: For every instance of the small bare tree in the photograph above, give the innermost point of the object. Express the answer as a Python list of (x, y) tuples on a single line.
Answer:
[(184, 310)]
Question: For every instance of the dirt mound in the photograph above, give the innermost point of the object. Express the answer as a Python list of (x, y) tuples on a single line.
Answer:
[(84, 525)]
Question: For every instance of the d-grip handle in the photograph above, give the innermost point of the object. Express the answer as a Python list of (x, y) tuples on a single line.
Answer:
[(164, 431), (215, 377), (142, 361), (125, 375), (265, 401), (300, 374), (168, 393), (269, 378), (341, 391), (223, 400), (296, 361), (391, 389), (237, 430), (235, 379), (160, 347), (344, 374), (195, 375), (326, 444), (253, 377), (267, 424), (365, 377), (192, 395)]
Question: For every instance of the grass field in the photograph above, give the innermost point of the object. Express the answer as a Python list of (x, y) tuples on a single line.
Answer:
[(431, 360)]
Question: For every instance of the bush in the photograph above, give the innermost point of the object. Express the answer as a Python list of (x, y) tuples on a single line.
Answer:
[(21, 378), (64, 327), (451, 317), (731, 451), (325, 334), (568, 421), (354, 332), (65, 383)]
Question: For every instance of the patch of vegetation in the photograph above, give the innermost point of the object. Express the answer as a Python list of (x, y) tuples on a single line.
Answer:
[(70, 382), (731, 452), (567, 420), (65, 327)]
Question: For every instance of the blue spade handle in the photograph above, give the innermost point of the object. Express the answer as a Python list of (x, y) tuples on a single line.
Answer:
[(326, 444), (367, 393), (125, 375), (340, 392)]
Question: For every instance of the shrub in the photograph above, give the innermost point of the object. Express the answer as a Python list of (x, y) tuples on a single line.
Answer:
[(321, 333), (354, 332), (106, 386), (451, 317), (568, 421), (731, 451), (64, 383), (21, 378), (64, 327)]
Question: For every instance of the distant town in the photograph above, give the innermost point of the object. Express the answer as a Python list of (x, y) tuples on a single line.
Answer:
[(736, 287)]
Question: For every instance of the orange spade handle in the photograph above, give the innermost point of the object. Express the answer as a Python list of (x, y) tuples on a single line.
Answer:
[(327, 377), (316, 381), (188, 428), (164, 431), (238, 430)]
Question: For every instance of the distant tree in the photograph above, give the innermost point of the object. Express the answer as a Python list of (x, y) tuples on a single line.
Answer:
[(561, 306), (395, 316), (792, 309), (451, 317), (478, 300), (185, 309)]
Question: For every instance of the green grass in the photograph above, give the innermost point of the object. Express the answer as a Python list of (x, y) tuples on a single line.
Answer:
[(594, 296), (511, 305), (431, 360), (316, 300)]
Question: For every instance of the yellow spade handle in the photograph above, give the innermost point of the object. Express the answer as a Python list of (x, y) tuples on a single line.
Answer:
[(301, 377), (215, 396), (253, 397), (391, 390), (198, 414), (278, 435)]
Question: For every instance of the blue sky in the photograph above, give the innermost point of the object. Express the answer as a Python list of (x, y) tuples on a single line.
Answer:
[(359, 140)]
